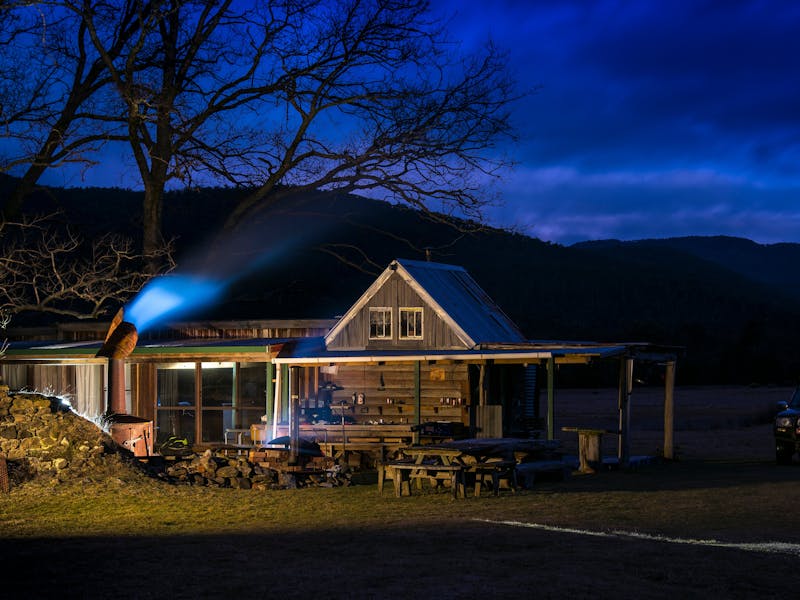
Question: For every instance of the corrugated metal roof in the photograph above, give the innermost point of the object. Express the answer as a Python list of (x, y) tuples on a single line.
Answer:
[(312, 350), (213, 342), (23, 349), (463, 300), (309, 351)]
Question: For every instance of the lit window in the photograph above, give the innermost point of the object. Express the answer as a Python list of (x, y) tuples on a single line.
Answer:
[(380, 323), (411, 323)]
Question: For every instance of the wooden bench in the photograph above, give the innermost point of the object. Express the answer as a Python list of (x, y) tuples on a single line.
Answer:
[(404, 473), (385, 471), (494, 472), (527, 472), (240, 434), (228, 449)]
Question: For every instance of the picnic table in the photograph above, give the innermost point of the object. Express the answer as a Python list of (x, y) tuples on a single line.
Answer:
[(504, 448), (431, 462), (486, 461), (480, 462)]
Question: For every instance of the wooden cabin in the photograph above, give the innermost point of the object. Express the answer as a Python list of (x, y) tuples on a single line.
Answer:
[(399, 366), (424, 354), (206, 382)]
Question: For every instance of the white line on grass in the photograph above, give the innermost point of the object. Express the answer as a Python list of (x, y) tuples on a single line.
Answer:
[(764, 547)]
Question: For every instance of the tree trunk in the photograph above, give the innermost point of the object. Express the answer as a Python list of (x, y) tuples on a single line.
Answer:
[(152, 238), (25, 186), (12, 208)]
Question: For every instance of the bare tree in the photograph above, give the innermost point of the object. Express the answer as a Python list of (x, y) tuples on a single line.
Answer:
[(167, 83), (286, 96), (5, 319), (45, 268), (56, 107)]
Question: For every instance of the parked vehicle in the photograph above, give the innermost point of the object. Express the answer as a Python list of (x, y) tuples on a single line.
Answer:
[(787, 429)]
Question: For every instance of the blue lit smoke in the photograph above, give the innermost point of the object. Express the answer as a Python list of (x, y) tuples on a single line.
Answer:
[(171, 296), (201, 281)]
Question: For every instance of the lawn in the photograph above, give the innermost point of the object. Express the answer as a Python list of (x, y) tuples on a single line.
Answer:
[(692, 527), (158, 541)]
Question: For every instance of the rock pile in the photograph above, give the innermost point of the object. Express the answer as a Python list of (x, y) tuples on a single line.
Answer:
[(41, 438)]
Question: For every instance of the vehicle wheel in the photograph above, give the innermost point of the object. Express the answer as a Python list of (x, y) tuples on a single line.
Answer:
[(783, 454)]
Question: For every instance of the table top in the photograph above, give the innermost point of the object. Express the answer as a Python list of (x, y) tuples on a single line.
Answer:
[(498, 446), (480, 450), (588, 430), (430, 450)]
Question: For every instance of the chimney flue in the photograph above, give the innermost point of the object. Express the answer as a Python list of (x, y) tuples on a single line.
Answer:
[(119, 343)]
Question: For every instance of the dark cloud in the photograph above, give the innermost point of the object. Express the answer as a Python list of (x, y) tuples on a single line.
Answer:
[(655, 118), (567, 206), (672, 75)]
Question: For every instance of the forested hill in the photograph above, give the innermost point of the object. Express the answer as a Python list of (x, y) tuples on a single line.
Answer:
[(733, 304), (772, 264)]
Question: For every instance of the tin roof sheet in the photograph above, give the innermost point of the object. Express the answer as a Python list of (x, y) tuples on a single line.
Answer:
[(463, 300)]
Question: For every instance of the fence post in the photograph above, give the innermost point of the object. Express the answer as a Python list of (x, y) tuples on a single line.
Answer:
[(4, 486)]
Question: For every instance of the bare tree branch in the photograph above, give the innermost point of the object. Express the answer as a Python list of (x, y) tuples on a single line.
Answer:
[(56, 84), (275, 96), (47, 269), (292, 95), (362, 263)]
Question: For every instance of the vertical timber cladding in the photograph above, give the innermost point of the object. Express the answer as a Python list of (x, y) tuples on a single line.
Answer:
[(56, 380), (388, 392), (16, 377), (394, 294), (144, 390)]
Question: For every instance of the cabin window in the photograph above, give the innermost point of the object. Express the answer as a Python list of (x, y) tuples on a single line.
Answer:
[(200, 401), (411, 323), (380, 323), (176, 401)]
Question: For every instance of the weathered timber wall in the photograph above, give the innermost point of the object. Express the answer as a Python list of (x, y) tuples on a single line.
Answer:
[(394, 294)]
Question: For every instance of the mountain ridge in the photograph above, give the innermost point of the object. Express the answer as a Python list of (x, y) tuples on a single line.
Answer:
[(734, 308), (772, 263)]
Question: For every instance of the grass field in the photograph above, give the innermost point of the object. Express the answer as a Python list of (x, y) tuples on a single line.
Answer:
[(720, 520)]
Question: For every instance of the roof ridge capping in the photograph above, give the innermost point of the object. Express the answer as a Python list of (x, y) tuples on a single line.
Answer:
[(427, 264)]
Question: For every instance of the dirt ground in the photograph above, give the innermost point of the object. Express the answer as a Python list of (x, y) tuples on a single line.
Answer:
[(710, 422)]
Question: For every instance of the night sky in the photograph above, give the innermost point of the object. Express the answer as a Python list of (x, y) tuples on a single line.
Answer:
[(653, 119), (647, 118)]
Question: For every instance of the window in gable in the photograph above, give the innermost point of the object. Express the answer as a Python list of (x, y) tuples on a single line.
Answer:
[(380, 323), (411, 323)]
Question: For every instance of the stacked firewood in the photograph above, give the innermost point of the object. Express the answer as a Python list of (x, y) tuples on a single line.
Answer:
[(216, 470)]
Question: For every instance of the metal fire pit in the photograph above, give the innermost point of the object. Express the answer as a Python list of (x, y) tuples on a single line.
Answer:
[(133, 433)]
